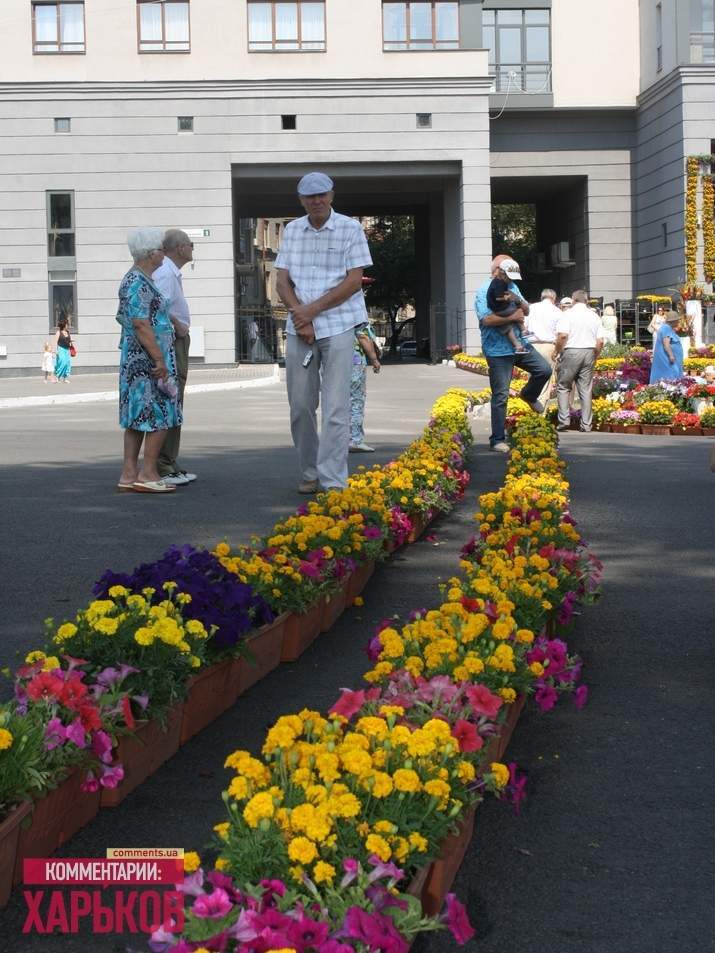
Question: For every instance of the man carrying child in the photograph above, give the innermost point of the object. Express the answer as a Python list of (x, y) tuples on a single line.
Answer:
[(503, 350)]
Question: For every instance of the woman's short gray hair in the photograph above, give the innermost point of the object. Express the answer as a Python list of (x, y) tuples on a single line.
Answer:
[(143, 241)]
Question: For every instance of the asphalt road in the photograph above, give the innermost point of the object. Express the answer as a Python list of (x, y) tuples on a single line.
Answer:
[(612, 852)]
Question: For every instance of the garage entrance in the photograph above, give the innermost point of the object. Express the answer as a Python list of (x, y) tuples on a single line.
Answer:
[(264, 200)]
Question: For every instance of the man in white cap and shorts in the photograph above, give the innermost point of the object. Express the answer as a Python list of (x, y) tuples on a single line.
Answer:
[(320, 266)]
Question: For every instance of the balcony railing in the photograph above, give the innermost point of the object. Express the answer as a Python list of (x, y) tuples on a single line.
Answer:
[(702, 47), (522, 77)]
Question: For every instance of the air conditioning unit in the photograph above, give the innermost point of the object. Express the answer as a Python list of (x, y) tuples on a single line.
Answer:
[(561, 255)]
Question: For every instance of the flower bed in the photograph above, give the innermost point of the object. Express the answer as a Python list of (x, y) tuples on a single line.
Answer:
[(188, 623), (376, 787)]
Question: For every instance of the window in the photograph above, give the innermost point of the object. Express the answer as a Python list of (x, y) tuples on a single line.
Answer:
[(519, 44), (702, 31), (420, 26), (58, 27), (424, 120), (286, 26), (659, 37), (63, 124), (63, 299), (60, 224), (163, 26), (288, 122), (185, 123)]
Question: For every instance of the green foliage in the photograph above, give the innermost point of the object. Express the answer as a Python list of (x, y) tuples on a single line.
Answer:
[(26, 769), (514, 230), (394, 270)]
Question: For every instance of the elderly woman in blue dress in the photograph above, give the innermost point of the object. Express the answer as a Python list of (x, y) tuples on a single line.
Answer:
[(667, 351), (148, 391)]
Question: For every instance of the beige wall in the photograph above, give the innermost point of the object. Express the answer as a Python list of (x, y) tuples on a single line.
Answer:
[(219, 48), (595, 56)]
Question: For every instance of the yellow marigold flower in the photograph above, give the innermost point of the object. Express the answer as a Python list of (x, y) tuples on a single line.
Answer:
[(192, 861), (537, 669), (418, 842), (372, 726), (508, 694), (358, 601), (380, 784), (222, 829), (65, 631), (195, 627), (406, 780), (438, 788), (106, 626), (50, 662), (500, 772), (302, 850), (36, 656), (169, 586), (356, 761), (323, 873), (144, 636), (6, 739), (387, 710), (525, 635), (378, 845), (117, 592), (195, 661), (136, 601), (260, 806), (183, 598), (296, 873), (223, 549), (221, 864), (465, 771)]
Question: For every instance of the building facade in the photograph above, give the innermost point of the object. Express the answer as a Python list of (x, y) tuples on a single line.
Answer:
[(202, 114)]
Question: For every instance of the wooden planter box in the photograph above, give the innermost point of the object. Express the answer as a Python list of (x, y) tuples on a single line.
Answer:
[(9, 837), (708, 431), (442, 872), (507, 730), (55, 818), (419, 524), (602, 428), (265, 646), (359, 580), (655, 429), (333, 607), (687, 431), (209, 696), (301, 630), (143, 753)]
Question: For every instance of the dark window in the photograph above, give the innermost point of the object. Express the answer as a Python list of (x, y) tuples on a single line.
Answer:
[(420, 25), (288, 122), (63, 302), (296, 26), (659, 37), (58, 27), (63, 124), (60, 224), (163, 26), (185, 123), (424, 120), (519, 44), (665, 234)]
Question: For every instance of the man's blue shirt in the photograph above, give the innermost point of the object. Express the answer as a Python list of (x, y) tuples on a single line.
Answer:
[(494, 344)]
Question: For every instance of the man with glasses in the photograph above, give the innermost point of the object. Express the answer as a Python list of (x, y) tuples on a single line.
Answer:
[(178, 251)]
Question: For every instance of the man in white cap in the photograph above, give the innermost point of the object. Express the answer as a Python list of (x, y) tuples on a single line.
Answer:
[(501, 355), (320, 266)]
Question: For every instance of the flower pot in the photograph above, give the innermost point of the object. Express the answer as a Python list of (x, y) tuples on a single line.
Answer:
[(416, 886), (9, 837), (507, 729), (708, 431), (687, 431), (656, 429), (443, 870), (265, 646), (333, 606), (602, 428), (618, 428), (419, 524), (55, 818), (209, 695), (143, 752), (301, 630), (358, 580), (631, 428)]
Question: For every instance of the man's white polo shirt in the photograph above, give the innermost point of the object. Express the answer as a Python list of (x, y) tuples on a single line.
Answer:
[(167, 278), (582, 325), (317, 260)]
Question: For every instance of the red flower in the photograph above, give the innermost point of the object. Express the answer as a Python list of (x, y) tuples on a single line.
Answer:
[(127, 712), (89, 717), (482, 700), (348, 704), (45, 685), (72, 694), (467, 736)]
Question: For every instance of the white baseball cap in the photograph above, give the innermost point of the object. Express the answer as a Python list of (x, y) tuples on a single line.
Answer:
[(511, 269)]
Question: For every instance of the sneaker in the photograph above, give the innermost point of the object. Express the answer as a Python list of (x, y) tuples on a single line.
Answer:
[(500, 446), (189, 477), (361, 448), (308, 486), (175, 479), (563, 427), (536, 406)]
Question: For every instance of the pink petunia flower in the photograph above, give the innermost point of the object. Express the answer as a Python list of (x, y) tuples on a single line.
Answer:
[(212, 906), (457, 920), (482, 701)]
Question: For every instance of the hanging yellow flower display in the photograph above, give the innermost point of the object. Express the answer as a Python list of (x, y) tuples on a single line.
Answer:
[(709, 227), (691, 221)]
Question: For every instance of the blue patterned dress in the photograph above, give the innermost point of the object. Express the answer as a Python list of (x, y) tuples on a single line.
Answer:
[(143, 405)]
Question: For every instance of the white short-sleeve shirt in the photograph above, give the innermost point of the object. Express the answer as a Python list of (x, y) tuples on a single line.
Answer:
[(582, 325), (167, 278), (317, 260), (541, 320)]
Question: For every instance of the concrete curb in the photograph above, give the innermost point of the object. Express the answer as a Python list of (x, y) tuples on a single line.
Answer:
[(109, 395)]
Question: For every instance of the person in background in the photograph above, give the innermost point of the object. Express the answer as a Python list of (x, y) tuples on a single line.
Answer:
[(178, 251), (148, 389), (365, 352), (63, 358), (540, 324), (579, 339), (565, 303), (501, 357), (320, 265), (668, 351), (48, 363), (609, 323), (656, 322)]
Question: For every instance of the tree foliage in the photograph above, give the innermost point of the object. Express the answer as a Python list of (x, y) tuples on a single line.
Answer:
[(394, 271), (514, 230)]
